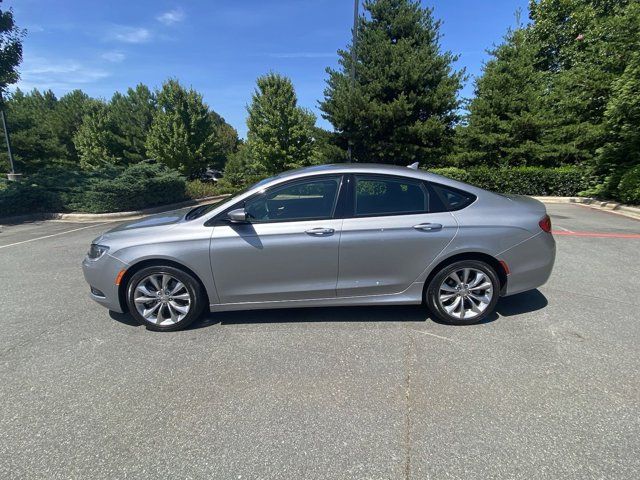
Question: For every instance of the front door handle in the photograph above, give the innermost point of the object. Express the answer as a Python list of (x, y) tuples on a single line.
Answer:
[(320, 232), (428, 227)]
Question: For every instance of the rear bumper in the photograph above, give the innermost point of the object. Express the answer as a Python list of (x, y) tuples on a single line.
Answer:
[(101, 275), (530, 263)]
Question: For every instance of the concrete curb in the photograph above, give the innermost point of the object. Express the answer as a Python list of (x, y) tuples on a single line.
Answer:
[(108, 217), (626, 210)]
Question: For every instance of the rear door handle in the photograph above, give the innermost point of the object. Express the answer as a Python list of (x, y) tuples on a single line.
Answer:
[(428, 227), (320, 232)]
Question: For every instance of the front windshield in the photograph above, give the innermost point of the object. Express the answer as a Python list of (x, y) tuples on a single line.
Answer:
[(201, 210)]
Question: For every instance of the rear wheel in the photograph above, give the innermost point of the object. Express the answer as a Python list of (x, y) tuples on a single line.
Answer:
[(464, 292), (164, 298)]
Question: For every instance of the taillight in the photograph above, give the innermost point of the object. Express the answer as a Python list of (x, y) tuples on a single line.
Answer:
[(545, 224)]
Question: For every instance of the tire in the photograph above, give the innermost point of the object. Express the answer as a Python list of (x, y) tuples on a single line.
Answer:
[(464, 302), (175, 298)]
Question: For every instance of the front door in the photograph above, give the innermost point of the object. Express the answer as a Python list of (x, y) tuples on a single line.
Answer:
[(288, 250), (397, 229)]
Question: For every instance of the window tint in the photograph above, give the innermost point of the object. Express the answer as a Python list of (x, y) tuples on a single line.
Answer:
[(453, 198), (389, 196), (311, 199)]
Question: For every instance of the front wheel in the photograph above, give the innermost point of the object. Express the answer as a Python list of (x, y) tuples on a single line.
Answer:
[(164, 298), (464, 292)]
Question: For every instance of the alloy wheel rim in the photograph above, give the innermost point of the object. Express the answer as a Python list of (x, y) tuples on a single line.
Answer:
[(162, 299), (465, 293)]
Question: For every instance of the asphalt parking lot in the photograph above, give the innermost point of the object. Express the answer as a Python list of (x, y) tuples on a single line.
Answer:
[(548, 388)]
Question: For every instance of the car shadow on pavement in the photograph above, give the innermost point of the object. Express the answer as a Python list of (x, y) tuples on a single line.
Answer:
[(507, 307), (520, 303)]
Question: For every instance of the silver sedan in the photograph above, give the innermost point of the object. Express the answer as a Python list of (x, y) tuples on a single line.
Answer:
[(348, 234)]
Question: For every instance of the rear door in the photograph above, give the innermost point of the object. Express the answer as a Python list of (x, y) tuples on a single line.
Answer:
[(396, 228)]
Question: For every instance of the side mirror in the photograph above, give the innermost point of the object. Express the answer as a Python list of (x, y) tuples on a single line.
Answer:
[(239, 215)]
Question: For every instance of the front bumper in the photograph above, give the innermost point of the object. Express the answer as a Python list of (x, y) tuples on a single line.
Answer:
[(101, 276), (530, 263)]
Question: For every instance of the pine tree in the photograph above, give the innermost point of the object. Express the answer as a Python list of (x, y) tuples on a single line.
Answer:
[(68, 116), (621, 152), (35, 142), (280, 134), (182, 133), (116, 133), (583, 47), (402, 106), (506, 120), (132, 114)]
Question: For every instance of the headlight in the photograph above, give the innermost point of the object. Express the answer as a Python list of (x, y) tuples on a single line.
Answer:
[(96, 251)]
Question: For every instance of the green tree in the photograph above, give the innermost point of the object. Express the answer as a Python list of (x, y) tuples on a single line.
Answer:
[(132, 115), (328, 146), (227, 139), (621, 151), (402, 106), (506, 121), (10, 56), (182, 133), (10, 49), (583, 47), (68, 116), (280, 133), (34, 141), (117, 133), (242, 169)]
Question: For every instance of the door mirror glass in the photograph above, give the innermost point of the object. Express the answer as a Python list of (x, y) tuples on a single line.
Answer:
[(239, 215)]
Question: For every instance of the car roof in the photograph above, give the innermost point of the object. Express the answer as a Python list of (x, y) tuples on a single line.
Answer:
[(373, 168)]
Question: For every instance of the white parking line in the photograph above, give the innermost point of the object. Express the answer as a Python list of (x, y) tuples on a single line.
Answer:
[(565, 229), (52, 235)]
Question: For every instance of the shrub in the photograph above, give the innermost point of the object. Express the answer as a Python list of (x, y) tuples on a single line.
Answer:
[(139, 186), (110, 189), (629, 186), (563, 181), (21, 198), (199, 189)]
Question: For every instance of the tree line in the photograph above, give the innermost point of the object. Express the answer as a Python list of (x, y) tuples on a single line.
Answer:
[(560, 89)]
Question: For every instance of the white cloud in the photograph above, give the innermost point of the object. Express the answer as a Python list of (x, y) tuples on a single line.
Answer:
[(126, 34), (172, 16), (113, 56), (57, 74)]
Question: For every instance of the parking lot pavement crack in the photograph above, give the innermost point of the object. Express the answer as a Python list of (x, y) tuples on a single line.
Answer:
[(436, 336), (9, 350), (409, 361)]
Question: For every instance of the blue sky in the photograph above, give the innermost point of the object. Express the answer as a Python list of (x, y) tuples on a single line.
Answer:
[(219, 47)]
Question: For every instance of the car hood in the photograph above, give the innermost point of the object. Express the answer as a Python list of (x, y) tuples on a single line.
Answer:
[(158, 220), (143, 228)]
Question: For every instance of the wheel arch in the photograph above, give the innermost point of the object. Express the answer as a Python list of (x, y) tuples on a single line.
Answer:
[(153, 262), (484, 257)]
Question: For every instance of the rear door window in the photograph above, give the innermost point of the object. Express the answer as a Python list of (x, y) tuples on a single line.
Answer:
[(379, 196)]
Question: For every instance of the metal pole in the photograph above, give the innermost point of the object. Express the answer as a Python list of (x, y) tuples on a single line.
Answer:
[(352, 73), (6, 133)]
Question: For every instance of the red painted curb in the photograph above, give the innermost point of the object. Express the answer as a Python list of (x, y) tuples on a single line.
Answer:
[(596, 234)]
